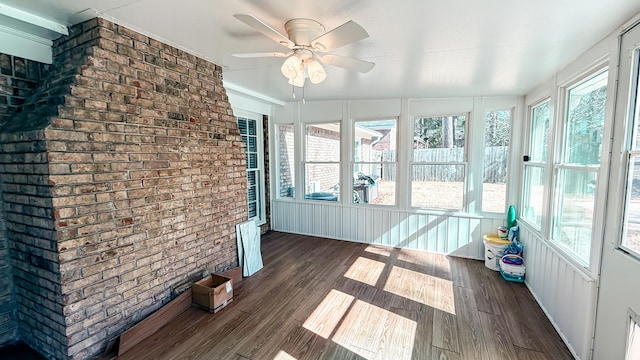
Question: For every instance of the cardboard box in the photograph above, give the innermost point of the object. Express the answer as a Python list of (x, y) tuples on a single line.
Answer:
[(213, 293)]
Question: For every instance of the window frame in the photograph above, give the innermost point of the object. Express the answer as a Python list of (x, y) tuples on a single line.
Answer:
[(544, 166), (633, 320), (278, 163), (304, 162), (559, 164), (632, 138), (261, 207), (512, 114), (353, 162), (464, 163)]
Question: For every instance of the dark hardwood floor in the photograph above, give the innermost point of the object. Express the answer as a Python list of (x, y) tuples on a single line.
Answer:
[(326, 299)]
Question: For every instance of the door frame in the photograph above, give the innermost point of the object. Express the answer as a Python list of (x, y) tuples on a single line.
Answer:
[(617, 294)]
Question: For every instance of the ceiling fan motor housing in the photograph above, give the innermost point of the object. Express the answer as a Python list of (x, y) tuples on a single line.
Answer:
[(303, 31)]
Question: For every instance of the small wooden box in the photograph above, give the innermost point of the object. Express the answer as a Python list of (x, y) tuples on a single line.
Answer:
[(213, 293)]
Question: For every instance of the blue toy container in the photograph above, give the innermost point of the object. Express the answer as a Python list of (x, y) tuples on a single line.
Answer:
[(512, 272)]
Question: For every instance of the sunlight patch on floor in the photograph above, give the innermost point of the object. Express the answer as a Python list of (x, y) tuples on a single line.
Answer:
[(378, 250), (328, 314), (375, 333), (282, 355), (409, 256), (365, 270), (426, 289), (436, 262)]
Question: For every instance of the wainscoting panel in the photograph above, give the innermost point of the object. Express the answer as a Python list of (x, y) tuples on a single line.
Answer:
[(566, 293), (445, 234)]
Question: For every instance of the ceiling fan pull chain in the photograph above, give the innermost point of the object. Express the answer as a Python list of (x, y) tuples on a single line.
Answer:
[(302, 94), (293, 92)]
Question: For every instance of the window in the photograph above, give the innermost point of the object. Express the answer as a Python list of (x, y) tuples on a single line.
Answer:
[(251, 131), (374, 162), (285, 161), (577, 169), (631, 228), (322, 162), (633, 337), (439, 166), (496, 157), (534, 169)]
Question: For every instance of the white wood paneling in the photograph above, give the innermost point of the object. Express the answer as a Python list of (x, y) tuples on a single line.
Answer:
[(432, 107), (378, 109), (447, 234), (286, 114), (565, 293), (321, 111), (245, 101)]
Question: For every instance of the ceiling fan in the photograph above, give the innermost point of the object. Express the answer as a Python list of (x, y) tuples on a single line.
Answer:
[(309, 45)]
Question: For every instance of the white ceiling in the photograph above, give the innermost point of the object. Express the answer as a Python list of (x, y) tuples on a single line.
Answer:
[(422, 48)]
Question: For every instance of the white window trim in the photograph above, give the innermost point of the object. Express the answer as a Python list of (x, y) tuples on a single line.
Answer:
[(276, 183), (498, 107), (545, 166), (352, 162), (631, 127), (303, 162), (633, 320), (557, 162), (465, 163), (262, 210)]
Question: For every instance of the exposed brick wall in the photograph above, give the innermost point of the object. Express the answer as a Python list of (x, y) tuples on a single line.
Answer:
[(32, 241), (322, 144), (388, 141), (147, 178), (18, 78), (286, 168), (8, 324)]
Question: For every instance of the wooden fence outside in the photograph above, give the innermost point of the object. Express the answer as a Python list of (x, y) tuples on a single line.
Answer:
[(495, 169)]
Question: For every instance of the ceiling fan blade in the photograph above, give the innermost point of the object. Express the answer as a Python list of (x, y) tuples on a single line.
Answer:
[(347, 63), (344, 34), (262, 54), (265, 29)]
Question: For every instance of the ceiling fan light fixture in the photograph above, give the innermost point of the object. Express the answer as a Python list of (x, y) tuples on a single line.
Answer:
[(291, 67), (298, 80), (316, 72)]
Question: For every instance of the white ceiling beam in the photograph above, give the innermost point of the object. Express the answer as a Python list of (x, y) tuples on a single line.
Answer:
[(34, 20), (230, 87), (17, 43)]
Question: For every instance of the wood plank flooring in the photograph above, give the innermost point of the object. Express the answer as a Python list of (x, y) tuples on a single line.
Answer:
[(326, 299)]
